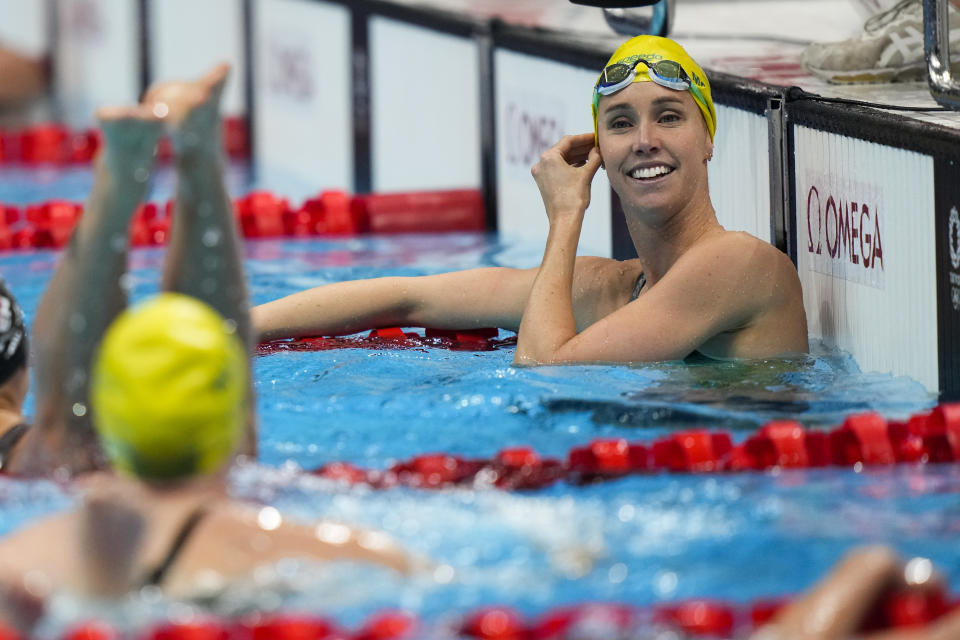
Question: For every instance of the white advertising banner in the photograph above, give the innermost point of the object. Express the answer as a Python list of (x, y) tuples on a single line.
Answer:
[(531, 116), (97, 57), (866, 254), (424, 108), (302, 99), (739, 173), (188, 37)]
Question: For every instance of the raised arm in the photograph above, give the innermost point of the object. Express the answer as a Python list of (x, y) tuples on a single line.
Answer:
[(204, 256), (85, 295), (563, 175)]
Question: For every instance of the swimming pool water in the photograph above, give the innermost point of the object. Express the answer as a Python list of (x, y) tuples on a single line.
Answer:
[(640, 540)]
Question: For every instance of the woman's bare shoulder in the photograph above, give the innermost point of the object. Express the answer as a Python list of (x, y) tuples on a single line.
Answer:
[(744, 252), (766, 260), (727, 260), (601, 286), (774, 308), (739, 241)]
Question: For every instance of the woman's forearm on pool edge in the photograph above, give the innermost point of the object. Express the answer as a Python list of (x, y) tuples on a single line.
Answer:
[(485, 297), (334, 309)]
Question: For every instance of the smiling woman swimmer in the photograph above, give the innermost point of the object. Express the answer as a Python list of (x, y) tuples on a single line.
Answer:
[(695, 287)]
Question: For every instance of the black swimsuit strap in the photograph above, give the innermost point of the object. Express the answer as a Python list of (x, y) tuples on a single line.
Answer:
[(155, 578), (638, 287), (9, 440)]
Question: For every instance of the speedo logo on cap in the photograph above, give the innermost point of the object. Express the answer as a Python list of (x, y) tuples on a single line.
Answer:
[(647, 57)]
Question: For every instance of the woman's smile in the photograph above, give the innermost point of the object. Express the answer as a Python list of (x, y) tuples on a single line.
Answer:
[(651, 172)]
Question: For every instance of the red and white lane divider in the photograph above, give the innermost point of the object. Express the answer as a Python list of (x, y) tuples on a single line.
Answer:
[(863, 440), (395, 338), (52, 144), (597, 621), (261, 214)]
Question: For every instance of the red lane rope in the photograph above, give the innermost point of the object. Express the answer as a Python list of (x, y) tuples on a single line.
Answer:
[(52, 144), (395, 338), (596, 621), (261, 214), (863, 440)]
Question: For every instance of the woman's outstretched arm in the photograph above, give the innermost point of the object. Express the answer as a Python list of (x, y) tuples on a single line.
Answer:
[(459, 300), (486, 297)]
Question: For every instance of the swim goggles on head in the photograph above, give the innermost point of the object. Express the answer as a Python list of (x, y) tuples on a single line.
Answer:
[(665, 73)]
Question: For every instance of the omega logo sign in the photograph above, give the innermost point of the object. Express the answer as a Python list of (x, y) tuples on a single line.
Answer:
[(844, 233), (953, 242), (529, 132)]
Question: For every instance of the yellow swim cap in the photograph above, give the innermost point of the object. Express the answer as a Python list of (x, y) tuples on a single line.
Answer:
[(654, 49), (169, 389)]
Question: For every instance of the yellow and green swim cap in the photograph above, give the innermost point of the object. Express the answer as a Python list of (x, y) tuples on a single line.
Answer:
[(654, 49), (169, 389)]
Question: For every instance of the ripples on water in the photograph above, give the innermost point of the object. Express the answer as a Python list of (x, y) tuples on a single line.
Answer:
[(641, 539), (638, 540), (375, 406)]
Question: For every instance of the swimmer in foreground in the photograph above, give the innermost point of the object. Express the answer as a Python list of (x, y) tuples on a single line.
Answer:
[(167, 395), (695, 287)]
